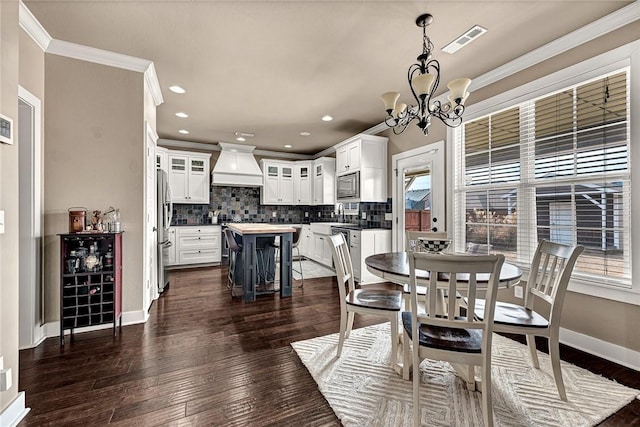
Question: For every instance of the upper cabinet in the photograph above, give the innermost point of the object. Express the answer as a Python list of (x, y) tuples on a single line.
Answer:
[(189, 177), (303, 182), (324, 181), (361, 169), (278, 182)]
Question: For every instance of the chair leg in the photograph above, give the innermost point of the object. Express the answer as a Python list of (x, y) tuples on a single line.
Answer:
[(343, 329), (416, 385), (394, 341), (350, 317), (554, 353), (406, 356), (531, 343), (300, 263), (487, 404)]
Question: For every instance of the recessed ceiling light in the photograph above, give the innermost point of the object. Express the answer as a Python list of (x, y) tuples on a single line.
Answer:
[(183, 131), (177, 89), (182, 115), (288, 146), (241, 139), (305, 133), (327, 118)]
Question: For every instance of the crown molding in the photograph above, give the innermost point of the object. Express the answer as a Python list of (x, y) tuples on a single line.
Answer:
[(595, 29), (98, 56), (32, 27), (151, 78), (598, 28)]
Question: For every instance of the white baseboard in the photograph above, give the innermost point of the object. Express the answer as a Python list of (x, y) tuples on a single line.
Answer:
[(15, 412), (52, 329), (612, 352)]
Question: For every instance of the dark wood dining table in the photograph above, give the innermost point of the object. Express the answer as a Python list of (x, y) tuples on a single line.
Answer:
[(394, 267)]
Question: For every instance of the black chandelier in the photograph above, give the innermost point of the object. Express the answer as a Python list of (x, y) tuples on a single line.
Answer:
[(424, 78)]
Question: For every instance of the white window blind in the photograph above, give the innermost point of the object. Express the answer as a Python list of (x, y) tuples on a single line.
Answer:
[(557, 168)]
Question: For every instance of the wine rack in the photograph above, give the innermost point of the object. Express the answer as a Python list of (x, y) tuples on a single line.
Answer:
[(90, 281)]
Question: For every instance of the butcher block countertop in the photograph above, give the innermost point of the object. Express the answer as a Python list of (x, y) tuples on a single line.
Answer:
[(258, 228)]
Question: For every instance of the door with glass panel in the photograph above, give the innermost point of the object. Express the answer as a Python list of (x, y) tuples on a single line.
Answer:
[(418, 192)]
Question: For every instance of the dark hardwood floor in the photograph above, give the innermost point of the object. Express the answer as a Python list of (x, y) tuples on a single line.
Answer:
[(205, 359)]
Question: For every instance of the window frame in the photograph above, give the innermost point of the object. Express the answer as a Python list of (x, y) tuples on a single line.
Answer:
[(622, 57)]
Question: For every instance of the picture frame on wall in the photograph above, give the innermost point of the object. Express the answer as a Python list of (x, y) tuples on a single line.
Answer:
[(6, 129)]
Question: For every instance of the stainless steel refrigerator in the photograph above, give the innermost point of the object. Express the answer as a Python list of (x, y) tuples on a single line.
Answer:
[(165, 213)]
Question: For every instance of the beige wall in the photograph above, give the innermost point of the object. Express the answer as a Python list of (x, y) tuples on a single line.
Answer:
[(607, 320), (94, 159), (9, 198)]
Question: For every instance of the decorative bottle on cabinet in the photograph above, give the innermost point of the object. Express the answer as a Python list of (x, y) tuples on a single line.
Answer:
[(90, 280)]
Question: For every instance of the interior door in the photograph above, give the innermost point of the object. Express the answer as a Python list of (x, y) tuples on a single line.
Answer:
[(151, 218), (418, 192)]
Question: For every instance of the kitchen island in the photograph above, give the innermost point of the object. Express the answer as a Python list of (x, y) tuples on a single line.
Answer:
[(250, 232)]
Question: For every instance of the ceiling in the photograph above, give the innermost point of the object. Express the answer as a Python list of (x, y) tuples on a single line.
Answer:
[(274, 68)]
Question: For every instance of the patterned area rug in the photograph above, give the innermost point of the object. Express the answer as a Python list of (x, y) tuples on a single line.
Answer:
[(363, 390)]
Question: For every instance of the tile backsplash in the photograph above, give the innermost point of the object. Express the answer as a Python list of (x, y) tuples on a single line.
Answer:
[(243, 203)]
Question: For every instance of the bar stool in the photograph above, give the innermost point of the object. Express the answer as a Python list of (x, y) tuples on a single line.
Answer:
[(236, 275), (294, 245)]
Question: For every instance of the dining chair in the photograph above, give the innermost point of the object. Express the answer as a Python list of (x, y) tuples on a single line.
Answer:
[(546, 286), (411, 240), (464, 342), (379, 302)]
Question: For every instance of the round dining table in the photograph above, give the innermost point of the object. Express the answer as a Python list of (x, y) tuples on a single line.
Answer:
[(394, 267)]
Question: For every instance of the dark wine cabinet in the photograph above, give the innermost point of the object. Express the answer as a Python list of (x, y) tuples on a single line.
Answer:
[(90, 280)]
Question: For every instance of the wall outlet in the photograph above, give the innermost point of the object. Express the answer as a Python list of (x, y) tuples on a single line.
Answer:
[(274, 214), (388, 216), (306, 214), (364, 215), (319, 214), (517, 292), (331, 214)]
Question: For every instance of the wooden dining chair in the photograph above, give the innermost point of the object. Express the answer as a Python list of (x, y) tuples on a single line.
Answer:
[(379, 302), (546, 286), (411, 240), (464, 342)]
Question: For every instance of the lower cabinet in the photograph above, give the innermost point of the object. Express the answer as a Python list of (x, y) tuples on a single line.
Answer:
[(195, 245), (364, 243)]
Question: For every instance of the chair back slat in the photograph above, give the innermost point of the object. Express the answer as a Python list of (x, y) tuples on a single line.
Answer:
[(461, 272)]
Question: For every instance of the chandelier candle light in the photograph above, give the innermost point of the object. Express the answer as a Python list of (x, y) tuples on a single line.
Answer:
[(424, 78)]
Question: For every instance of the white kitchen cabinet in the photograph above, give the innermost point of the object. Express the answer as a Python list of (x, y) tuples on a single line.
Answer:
[(278, 182), (189, 177), (366, 156), (364, 243), (348, 157), (171, 250), (197, 245), (324, 181), (305, 245), (321, 249), (303, 183)]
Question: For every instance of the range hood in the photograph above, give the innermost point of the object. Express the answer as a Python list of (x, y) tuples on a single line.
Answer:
[(236, 167)]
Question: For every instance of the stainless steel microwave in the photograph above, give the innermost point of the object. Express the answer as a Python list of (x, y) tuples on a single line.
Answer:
[(348, 186)]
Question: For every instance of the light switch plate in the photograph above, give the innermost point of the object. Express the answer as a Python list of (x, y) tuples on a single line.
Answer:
[(364, 215), (5, 379), (2, 222), (517, 292), (274, 214), (388, 216)]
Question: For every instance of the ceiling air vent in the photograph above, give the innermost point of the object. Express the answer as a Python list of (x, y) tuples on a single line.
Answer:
[(470, 35)]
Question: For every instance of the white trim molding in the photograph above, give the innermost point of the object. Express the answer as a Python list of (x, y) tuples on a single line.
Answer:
[(32, 27), (39, 34), (52, 329), (606, 350), (15, 412)]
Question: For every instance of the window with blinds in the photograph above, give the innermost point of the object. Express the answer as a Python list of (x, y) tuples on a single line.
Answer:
[(554, 168)]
